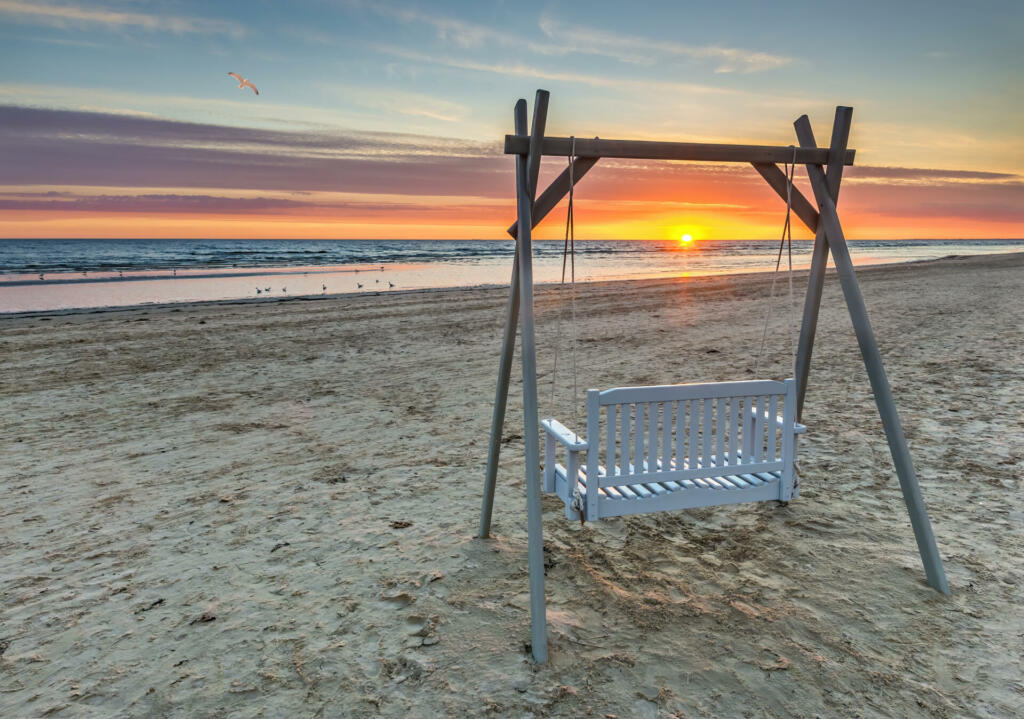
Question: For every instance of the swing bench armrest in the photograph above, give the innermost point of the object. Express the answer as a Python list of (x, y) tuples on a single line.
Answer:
[(572, 441), (797, 427)]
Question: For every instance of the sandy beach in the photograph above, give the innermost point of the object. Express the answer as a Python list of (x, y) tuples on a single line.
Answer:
[(268, 510)]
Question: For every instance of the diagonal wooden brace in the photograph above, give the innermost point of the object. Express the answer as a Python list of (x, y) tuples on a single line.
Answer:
[(558, 189), (778, 181)]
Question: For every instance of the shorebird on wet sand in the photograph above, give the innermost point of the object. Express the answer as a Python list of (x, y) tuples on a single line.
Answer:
[(390, 284), (359, 285)]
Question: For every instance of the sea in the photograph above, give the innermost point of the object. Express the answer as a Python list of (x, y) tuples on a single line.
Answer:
[(55, 274)]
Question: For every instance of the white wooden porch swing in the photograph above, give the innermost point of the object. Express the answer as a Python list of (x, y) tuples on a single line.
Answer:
[(658, 448)]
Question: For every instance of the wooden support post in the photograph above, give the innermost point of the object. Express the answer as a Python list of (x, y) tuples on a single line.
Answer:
[(547, 201), (527, 171), (819, 257), (879, 383)]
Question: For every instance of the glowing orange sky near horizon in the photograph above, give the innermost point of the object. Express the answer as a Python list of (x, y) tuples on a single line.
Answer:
[(404, 199), (645, 222)]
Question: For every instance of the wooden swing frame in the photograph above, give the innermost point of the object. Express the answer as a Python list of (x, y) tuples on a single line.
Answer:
[(824, 170)]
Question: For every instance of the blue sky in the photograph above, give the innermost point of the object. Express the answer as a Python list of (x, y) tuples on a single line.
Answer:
[(935, 85)]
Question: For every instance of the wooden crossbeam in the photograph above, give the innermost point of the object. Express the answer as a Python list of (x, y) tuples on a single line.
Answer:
[(778, 181), (558, 189), (649, 150)]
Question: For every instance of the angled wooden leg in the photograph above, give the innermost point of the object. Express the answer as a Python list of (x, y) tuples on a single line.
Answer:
[(809, 323), (879, 383), (547, 201), (819, 258), (527, 170), (508, 347)]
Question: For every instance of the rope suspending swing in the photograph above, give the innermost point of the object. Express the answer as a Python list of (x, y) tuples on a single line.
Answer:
[(787, 242), (568, 254), (674, 446)]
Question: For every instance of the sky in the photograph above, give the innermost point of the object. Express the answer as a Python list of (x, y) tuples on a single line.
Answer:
[(386, 119)]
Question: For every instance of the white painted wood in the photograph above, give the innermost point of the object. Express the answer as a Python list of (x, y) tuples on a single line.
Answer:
[(680, 427), (748, 430), (693, 408), (637, 475), (780, 423), (549, 463), (652, 433), (687, 499), (714, 432), (609, 450), (567, 437), (638, 434), (591, 506), (624, 424), (709, 390), (734, 423), (705, 434), (720, 426), (667, 422), (759, 429), (572, 471), (788, 440)]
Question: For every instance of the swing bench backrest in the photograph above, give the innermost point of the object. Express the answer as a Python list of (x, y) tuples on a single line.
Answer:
[(677, 446), (690, 431)]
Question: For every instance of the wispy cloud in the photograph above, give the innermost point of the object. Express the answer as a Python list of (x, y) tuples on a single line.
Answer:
[(455, 31), (413, 104), (71, 15), (516, 69), (634, 49), (917, 175), (359, 106), (460, 32), (62, 147), (566, 38)]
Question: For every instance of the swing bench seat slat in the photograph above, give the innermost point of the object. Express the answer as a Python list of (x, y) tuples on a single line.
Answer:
[(621, 500), (715, 458)]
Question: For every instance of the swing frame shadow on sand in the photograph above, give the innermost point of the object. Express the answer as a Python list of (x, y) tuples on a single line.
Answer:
[(716, 463)]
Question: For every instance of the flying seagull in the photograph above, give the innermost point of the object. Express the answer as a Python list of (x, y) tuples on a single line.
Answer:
[(243, 83)]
